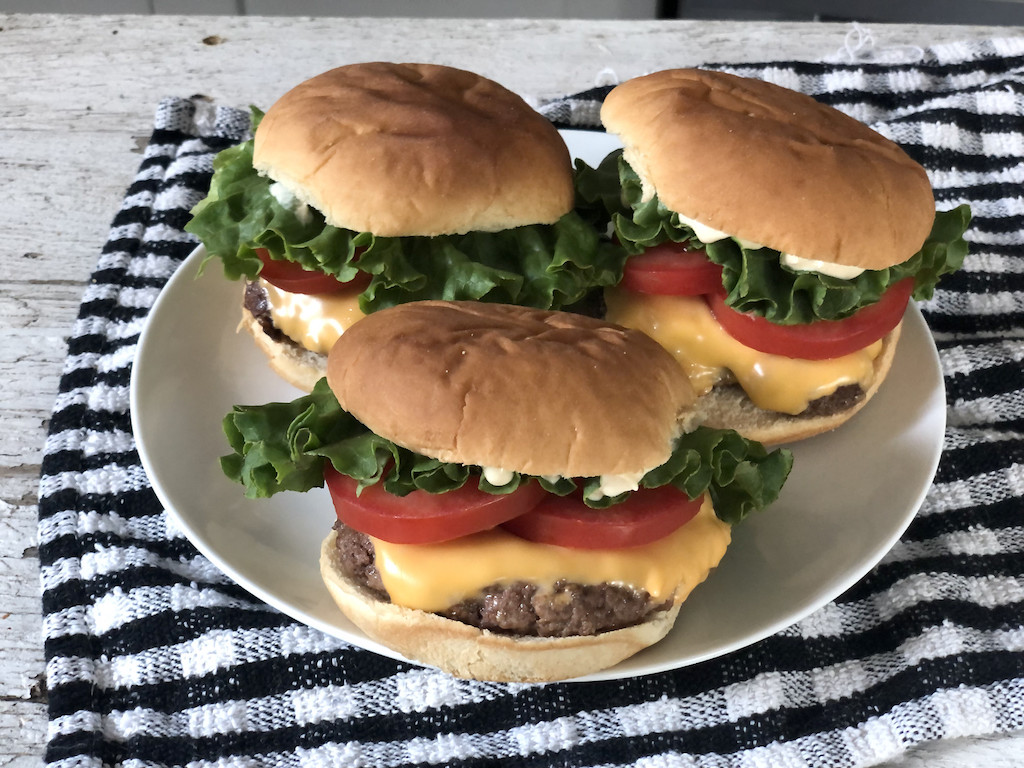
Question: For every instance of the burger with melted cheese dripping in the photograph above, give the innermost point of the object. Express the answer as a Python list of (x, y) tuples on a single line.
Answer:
[(378, 183), (516, 497), (774, 245)]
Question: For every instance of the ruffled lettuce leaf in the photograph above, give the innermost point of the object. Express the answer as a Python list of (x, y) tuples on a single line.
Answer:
[(284, 446), (545, 266), (755, 279)]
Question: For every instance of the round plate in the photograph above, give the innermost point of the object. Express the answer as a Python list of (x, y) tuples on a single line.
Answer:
[(850, 497)]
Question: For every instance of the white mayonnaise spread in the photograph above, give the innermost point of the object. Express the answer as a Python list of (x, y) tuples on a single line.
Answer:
[(497, 476), (839, 271), (613, 485), (610, 485), (708, 234), (287, 200)]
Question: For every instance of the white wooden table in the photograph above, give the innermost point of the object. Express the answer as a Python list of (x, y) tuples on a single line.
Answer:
[(77, 96)]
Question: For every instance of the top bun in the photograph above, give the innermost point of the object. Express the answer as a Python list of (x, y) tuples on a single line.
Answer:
[(773, 166), (415, 149), (532, 391)]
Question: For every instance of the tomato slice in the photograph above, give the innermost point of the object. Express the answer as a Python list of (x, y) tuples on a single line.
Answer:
[(822, 339), (289, 276), (671, 269), (645, 516), (422, 517)]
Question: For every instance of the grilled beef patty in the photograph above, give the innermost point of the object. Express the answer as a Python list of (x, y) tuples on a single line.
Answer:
[(844, 398), (255, 300), (520, 608)]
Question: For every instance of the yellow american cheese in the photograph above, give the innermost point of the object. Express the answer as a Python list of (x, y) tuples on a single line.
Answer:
[(313, 320), (685, 327), (432, 577)]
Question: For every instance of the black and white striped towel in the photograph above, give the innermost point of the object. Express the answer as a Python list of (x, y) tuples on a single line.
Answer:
[(154, 658)]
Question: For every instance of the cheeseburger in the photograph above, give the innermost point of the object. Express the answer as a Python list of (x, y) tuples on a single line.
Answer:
[(515, 496), (774, 245), (375, 184)]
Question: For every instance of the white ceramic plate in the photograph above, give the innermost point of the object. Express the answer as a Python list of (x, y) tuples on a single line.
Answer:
[(850, 497)]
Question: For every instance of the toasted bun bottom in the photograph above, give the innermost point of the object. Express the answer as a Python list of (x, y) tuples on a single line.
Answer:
[(730, 408), (478, 654), (294, 363)]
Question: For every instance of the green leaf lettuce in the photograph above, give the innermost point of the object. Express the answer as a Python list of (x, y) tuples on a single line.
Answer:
[(546, 266), (284, 446), (754, 278)]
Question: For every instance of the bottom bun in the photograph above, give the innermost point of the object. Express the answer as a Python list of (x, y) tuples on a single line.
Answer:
[(297, 365), (468, 652), (728, 407)]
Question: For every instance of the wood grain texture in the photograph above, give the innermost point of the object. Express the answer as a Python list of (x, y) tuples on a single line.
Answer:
[(79, 95)]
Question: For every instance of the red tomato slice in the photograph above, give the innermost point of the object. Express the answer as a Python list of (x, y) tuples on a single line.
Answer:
[(647, 515), (671, 269), (822, 339), (289, 276), (421, 517)]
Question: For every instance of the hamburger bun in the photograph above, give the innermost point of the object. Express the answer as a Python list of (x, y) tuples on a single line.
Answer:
[(415, 149), (598, 399), (468, 652), (407, 150), (772, 166)]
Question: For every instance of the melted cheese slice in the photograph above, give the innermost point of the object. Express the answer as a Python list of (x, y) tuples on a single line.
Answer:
[(313, 320), (685, 326), (432, 577)]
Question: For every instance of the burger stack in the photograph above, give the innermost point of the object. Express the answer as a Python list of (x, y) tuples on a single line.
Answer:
[(774, 245), (538, 396)]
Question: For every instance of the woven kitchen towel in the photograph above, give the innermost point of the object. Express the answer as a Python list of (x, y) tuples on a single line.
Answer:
[(154, 658)]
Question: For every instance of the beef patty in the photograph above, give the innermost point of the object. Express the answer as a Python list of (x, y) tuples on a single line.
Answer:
[(563, 610), (255, 300)]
